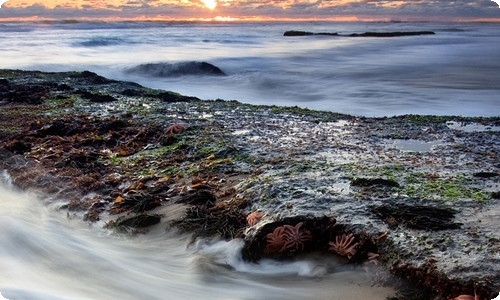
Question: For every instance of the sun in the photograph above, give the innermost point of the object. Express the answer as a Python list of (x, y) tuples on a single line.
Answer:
[(210, 4)]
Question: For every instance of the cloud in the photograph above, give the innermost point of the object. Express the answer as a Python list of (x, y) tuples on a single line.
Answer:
[(2, 2), (274, 9)]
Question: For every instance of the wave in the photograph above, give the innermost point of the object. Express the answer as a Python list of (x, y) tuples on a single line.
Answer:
[(451, 30), (176, 69), (100, 41)]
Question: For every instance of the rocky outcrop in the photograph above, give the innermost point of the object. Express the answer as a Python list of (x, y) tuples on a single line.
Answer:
[(176, 69), (288, 181), (364, 34)]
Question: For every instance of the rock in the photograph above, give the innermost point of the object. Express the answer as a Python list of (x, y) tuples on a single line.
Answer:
[(297, 173), (303, 33), (99, 98), (91, 77), (486, 174), (297, 33), (18, 147), (172, 97), (31, 94), (176, 69), (390, 34), (365, 34), (374, 181)]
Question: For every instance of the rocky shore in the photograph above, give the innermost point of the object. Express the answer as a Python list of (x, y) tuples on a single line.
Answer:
[(416, 195)]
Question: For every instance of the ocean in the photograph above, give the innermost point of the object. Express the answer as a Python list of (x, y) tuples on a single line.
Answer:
[(454, 72)]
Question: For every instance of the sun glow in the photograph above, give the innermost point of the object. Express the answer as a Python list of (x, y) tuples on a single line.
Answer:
[(210, 4)]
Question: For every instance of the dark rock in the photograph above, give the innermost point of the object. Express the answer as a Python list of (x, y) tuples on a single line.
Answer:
[(132, 93), (59, 127), (417, 216), (18, 147), (486, 174), (177, 69), (98, 98), (390, 34), (303, 33), (64, 87), (172, 97), (365, 34), (374, 181), (4, 82), (24, 94), (297, 33), (91, 77), (114, 124)]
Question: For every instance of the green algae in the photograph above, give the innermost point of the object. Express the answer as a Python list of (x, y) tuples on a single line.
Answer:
[(416, 183)]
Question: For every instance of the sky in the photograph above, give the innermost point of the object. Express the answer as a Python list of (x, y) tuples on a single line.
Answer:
[(252, 10)]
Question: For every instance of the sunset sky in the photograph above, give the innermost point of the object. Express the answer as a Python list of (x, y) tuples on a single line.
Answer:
[(254, 10)]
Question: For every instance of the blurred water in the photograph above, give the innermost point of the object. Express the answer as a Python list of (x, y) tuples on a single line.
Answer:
[(456, 71), (46, 255)]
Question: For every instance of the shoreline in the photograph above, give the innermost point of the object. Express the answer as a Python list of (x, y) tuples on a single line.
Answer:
[(417, 195)]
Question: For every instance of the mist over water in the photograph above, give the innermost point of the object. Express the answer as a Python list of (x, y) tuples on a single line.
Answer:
[(456, 71), (44, 254)]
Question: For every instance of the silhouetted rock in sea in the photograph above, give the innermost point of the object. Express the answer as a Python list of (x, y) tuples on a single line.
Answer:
[(176, 69), (302, 33), (365, 34)]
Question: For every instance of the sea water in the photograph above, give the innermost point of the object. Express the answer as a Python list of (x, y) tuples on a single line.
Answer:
[(49, 254), (454, 72)]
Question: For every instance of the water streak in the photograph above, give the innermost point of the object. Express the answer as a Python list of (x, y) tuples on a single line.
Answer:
[(454, 72), (45, 254)]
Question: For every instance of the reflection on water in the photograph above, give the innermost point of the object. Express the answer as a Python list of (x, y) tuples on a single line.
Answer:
[(471, 127), (45, 255)]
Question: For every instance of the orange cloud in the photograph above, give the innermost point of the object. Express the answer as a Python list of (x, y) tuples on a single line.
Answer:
[(251, 10)]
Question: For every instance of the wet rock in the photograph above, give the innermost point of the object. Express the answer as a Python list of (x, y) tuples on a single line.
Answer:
[(60, 127), (132, 92), (64, 87), (18, 147), (417, 216), (373, 181), (293, 165), (33, 94), (486, 174), (172, 97), (177, 69), (91, 77), (98, 98), (4, 84)]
